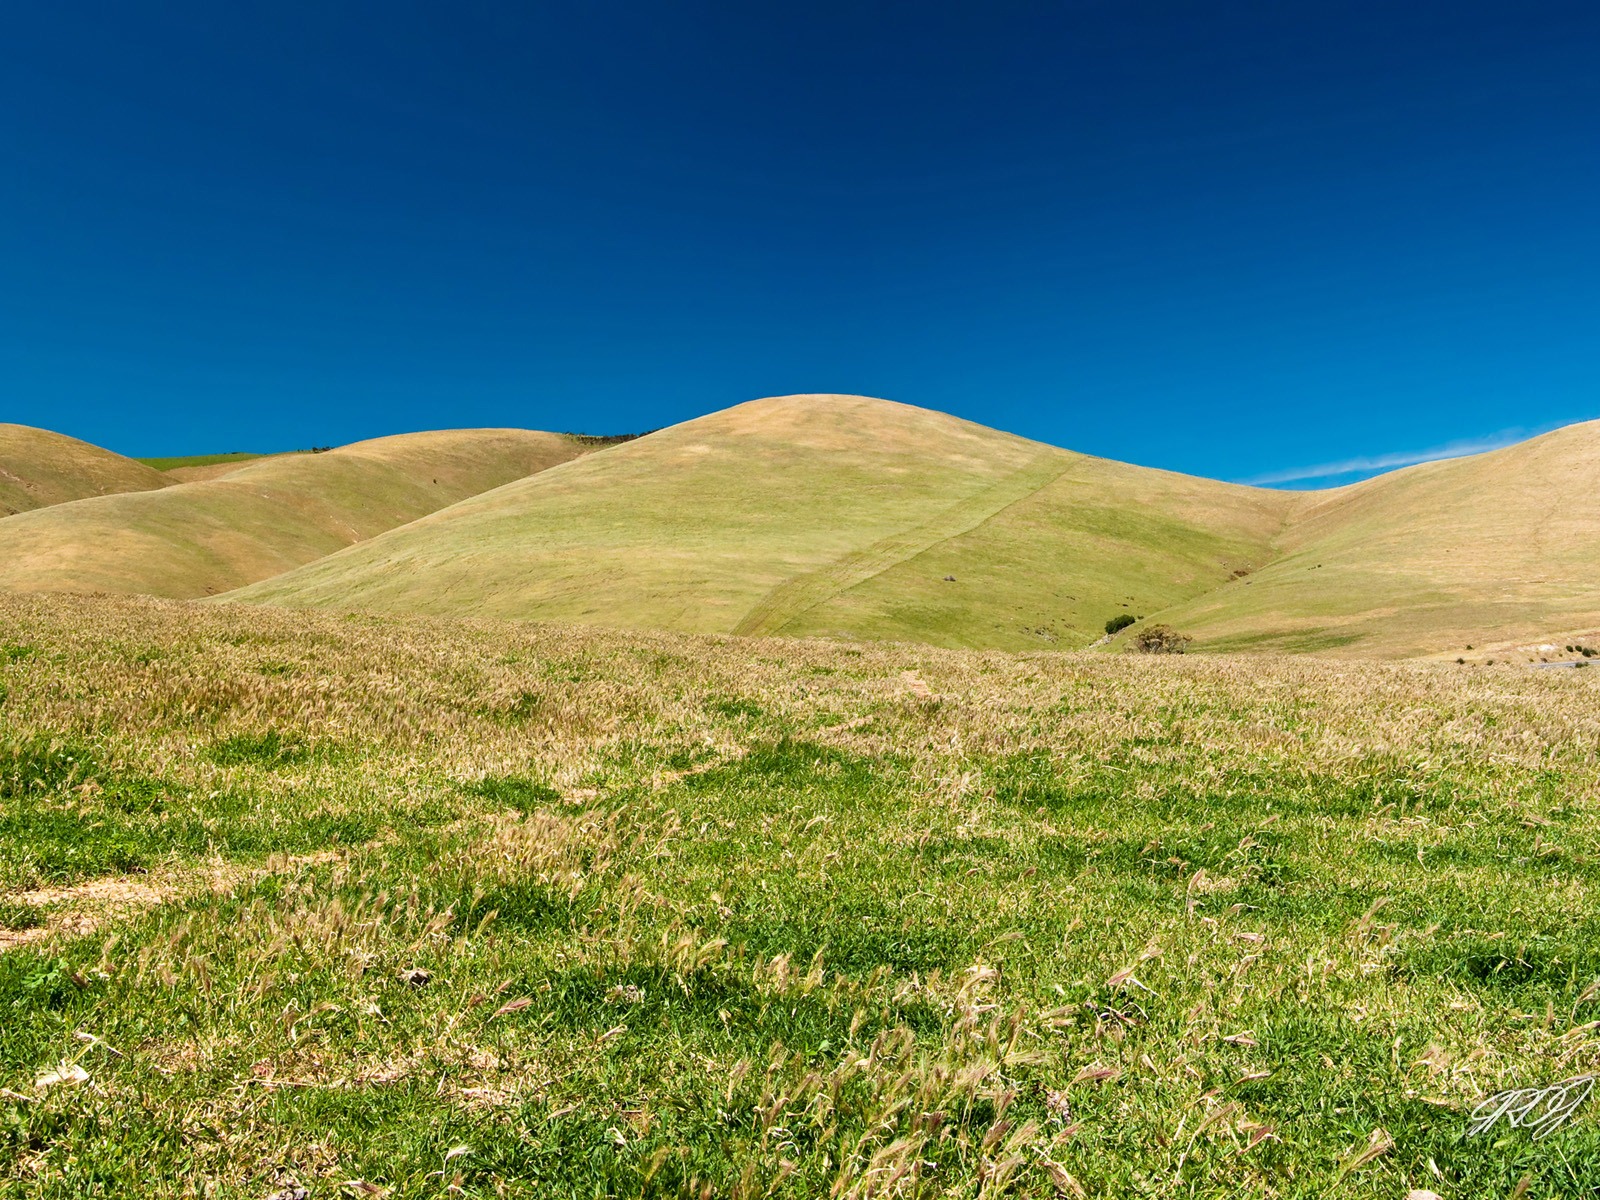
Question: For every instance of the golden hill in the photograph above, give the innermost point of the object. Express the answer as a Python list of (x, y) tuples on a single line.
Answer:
[(816, 514), (848, 517), (263, 518), (1492, 551), (39, 468)]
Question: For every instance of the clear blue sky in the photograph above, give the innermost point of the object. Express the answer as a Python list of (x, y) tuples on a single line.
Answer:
[(1227, 238)]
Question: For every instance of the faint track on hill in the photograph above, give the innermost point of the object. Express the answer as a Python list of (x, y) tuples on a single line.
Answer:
[(804, 592)]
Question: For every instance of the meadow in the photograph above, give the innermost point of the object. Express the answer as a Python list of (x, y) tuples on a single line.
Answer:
[(302, 904)]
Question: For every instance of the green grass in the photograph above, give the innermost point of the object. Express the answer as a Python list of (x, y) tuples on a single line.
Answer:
[(199, 460), (748, 919), (16, 915), (270, 749)]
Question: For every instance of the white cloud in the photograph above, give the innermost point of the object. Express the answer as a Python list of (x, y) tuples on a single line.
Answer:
[(1372, 464)]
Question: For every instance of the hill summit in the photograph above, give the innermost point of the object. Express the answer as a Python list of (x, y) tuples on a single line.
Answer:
[(816, 514)]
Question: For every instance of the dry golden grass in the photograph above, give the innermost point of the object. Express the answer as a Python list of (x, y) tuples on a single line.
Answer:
[(217, 470), (1493, 550), (39, 468), (860, 519), (263, 517), (854, 518)]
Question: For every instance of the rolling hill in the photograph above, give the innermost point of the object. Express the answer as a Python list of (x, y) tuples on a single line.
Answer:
[(39, 468), (848, 517), (803, 515), (262, 518), (1491, 551)]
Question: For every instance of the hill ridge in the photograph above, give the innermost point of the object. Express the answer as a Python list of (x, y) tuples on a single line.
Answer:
[(757, 516), (1438, 558), (264, 517), (40, 468)]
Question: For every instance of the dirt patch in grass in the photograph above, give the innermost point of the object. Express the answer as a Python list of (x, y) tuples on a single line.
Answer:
[(82, 908)]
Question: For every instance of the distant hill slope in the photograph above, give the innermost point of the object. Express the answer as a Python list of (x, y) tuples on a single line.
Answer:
[(265, 517), (816, 514), (39, 468), (1497, 548), (186, 468)]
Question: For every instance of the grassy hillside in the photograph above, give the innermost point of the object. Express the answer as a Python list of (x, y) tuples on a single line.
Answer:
[(192, 467), (39, 468), (189, 462), (199, 538), (1491, 550), (506, 910), (1098, 539), (855, 518), (800, 514)]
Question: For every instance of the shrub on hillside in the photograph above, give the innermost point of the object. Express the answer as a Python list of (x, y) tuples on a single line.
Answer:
[(1118, 623), (1161, 639)]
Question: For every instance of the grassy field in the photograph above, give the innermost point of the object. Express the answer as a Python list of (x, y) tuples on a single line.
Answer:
[(39, 468), (370, 906), (261, 518)]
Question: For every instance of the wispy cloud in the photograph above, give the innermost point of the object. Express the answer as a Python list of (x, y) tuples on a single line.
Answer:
[(1373, 463)]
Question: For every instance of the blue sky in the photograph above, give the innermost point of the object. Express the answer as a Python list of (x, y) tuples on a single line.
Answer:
[(1244, 240)]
